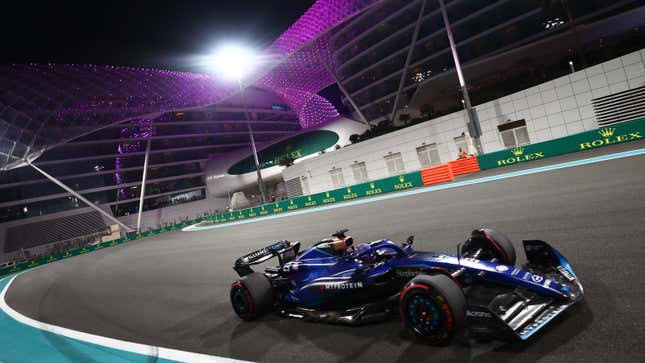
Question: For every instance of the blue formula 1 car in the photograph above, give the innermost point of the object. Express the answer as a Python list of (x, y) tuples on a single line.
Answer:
[(479, 290)]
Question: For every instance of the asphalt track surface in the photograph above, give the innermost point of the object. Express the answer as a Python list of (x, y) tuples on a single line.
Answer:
[(171, 290)]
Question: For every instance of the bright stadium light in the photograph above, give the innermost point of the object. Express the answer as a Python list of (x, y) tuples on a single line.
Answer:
[(233, 61)]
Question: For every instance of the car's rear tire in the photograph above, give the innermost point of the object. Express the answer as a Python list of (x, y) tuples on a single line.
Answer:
[(433, 308), (252, 296), (494, 244)]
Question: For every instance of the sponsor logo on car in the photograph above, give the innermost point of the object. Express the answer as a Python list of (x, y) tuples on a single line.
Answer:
[(501, 268), (408, 273), (261, 252), (478, 314), (526, 276), (566, 273), (537, 278), (341, 285), (536, 324)]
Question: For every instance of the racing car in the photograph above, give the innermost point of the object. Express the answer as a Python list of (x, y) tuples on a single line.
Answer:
[(437, 295)]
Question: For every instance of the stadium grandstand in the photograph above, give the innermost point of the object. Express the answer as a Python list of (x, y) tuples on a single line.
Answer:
[(107, 165), (399, 50)]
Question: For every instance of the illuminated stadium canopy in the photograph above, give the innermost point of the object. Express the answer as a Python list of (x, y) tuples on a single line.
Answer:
[(88, 125), (46, 105)]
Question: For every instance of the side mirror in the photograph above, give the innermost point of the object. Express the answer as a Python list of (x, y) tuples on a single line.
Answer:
[(409, 241)]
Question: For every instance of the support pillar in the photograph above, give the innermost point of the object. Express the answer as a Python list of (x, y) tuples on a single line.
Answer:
[(256, 159), (408, 59), (143, 185), (474, 129), (345, 93), (83, 199)]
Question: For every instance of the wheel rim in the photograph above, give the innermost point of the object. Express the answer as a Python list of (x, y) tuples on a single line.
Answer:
[(427, 316), (240, 300), (424, 316)]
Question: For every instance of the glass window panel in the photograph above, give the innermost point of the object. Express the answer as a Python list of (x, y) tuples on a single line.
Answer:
[(395, 164), (337, 178), (522, 136), (424, 156), (508, 138), (360, 172)]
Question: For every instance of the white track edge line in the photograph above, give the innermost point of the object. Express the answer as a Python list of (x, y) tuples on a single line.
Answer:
[(143, 349)]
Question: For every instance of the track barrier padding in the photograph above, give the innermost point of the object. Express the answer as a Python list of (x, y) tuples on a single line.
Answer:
[(437, 174), (464, 166)]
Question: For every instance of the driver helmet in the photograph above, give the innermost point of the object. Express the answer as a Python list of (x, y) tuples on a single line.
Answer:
[(342, 244)]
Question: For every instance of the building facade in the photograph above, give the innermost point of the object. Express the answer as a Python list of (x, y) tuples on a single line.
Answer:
[(584, 100)]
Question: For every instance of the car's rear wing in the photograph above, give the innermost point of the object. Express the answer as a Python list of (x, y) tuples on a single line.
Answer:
[(285, 251)]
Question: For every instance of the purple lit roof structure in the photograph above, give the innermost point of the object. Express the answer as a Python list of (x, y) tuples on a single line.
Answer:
[(304, 46), (322, 16), (43, 106)]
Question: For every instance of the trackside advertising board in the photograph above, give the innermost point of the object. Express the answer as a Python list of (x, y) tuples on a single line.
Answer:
[(79, 251), (376, 187), (609, 135), (44, 260)]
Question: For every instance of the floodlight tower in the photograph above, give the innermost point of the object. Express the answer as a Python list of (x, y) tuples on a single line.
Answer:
[(234, 62)]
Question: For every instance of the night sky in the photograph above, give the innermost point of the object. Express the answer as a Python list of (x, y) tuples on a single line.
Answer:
[(148, 33)]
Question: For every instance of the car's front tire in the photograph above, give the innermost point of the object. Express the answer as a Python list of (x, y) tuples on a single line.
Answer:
[(252, 296), (493, 243), (433, 308)]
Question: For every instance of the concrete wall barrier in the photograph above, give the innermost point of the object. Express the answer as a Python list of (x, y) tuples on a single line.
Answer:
[(79, 251), (376, 187)]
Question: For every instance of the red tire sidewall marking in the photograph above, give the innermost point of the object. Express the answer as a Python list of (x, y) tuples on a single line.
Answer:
[(438, 298), (249, 298)]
